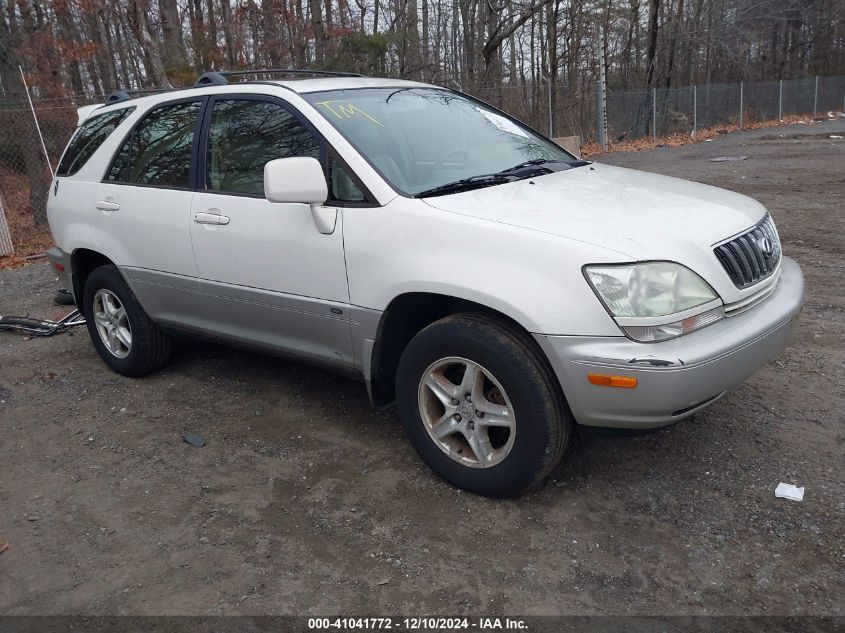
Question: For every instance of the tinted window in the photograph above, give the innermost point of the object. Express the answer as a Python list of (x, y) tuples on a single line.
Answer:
[(159, 150), (343, 186), (244, 136), (88, 138)]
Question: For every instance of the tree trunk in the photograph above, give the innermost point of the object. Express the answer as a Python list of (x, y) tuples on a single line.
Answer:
[(413, 56), (228, 35), (68, 44), (273, 12), (139, 25), (654, 11), (174, 58), (673, 42), (319, 32), (425, 41), (103, 58)]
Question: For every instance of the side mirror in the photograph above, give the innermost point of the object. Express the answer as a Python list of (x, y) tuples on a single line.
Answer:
[(301, 179), (298, 179)]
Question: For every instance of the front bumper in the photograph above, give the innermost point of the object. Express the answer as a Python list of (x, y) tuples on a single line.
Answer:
[(675, 378)]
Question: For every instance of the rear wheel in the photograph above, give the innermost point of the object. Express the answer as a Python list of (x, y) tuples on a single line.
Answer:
[(480, 405), (124, 336)]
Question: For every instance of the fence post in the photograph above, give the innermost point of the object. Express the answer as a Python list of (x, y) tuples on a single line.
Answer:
[(601, 103), (601, 114), (780, 99), (37, 126), (816, 98), (654, 114), (741, 114), (694, 110), (551, 124)]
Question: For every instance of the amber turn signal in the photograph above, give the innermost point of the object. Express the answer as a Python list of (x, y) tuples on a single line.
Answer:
[(603, 380)]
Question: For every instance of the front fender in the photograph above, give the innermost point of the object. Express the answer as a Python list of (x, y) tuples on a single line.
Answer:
[(532, 277)]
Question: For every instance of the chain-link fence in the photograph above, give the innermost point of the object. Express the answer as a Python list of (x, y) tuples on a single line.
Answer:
[(24, 172), (661, 112), (572, 109), (631, 115)]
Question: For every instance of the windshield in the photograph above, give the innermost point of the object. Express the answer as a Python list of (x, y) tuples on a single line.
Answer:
[(422, 139)]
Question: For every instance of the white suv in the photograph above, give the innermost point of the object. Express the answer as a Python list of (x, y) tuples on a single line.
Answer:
[(497, 288)]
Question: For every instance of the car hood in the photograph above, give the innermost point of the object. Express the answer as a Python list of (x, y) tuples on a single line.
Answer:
[(637, 214)]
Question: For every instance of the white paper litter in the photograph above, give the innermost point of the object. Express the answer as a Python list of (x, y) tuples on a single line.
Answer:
[(788, 491), (836, 136)]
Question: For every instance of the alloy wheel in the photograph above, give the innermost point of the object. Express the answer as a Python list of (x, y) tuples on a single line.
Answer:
[(466, 412), (112, 323)]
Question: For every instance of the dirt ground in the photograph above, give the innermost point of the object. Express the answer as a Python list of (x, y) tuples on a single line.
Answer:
[(306, 500)]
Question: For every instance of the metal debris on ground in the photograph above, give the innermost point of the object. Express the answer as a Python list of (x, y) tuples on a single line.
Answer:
[(41, 327), (727, 159), (194, 440), (788, 491)]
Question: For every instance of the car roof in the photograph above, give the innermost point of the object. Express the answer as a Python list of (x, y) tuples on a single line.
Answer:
[(298, 86)]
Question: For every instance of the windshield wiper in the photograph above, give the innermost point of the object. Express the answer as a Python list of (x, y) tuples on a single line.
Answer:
[(517, 172), (542, 164), (466, 184), (537, 162)]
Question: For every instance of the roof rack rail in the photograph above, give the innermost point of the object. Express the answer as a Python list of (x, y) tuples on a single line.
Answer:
[(211, 79), (220, 77), (116, 96)]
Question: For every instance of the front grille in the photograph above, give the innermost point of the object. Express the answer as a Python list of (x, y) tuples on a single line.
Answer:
[(746, 258)]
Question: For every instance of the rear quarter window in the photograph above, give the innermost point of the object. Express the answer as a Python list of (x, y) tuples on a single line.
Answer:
[(88, 139)]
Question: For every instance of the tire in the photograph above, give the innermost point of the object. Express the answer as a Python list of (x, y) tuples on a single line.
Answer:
[(516, 387), (149, 347)]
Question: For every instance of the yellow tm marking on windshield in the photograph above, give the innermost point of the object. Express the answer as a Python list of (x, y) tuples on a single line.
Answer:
[(346, 110)]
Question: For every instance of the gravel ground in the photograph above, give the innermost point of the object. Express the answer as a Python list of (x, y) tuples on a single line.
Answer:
[(306, 500)]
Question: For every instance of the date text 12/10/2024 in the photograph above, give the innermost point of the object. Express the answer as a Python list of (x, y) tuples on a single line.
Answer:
[(417, 624)]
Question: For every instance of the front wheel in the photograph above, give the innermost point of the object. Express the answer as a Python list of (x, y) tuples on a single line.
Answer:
[(480, 405)]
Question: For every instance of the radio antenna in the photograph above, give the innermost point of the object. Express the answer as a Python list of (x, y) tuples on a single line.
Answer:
[(37, 127)]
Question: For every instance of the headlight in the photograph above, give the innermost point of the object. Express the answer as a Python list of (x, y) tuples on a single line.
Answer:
[(655, 301)]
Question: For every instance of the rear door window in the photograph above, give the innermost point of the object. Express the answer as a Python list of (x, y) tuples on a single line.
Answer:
[(88, 138), (159, 150)]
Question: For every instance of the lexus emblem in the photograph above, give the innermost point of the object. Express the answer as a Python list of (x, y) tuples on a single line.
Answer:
[(766, 246)]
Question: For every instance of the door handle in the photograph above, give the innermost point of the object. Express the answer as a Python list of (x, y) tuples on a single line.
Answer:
[(211, 218), (107, 205)]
